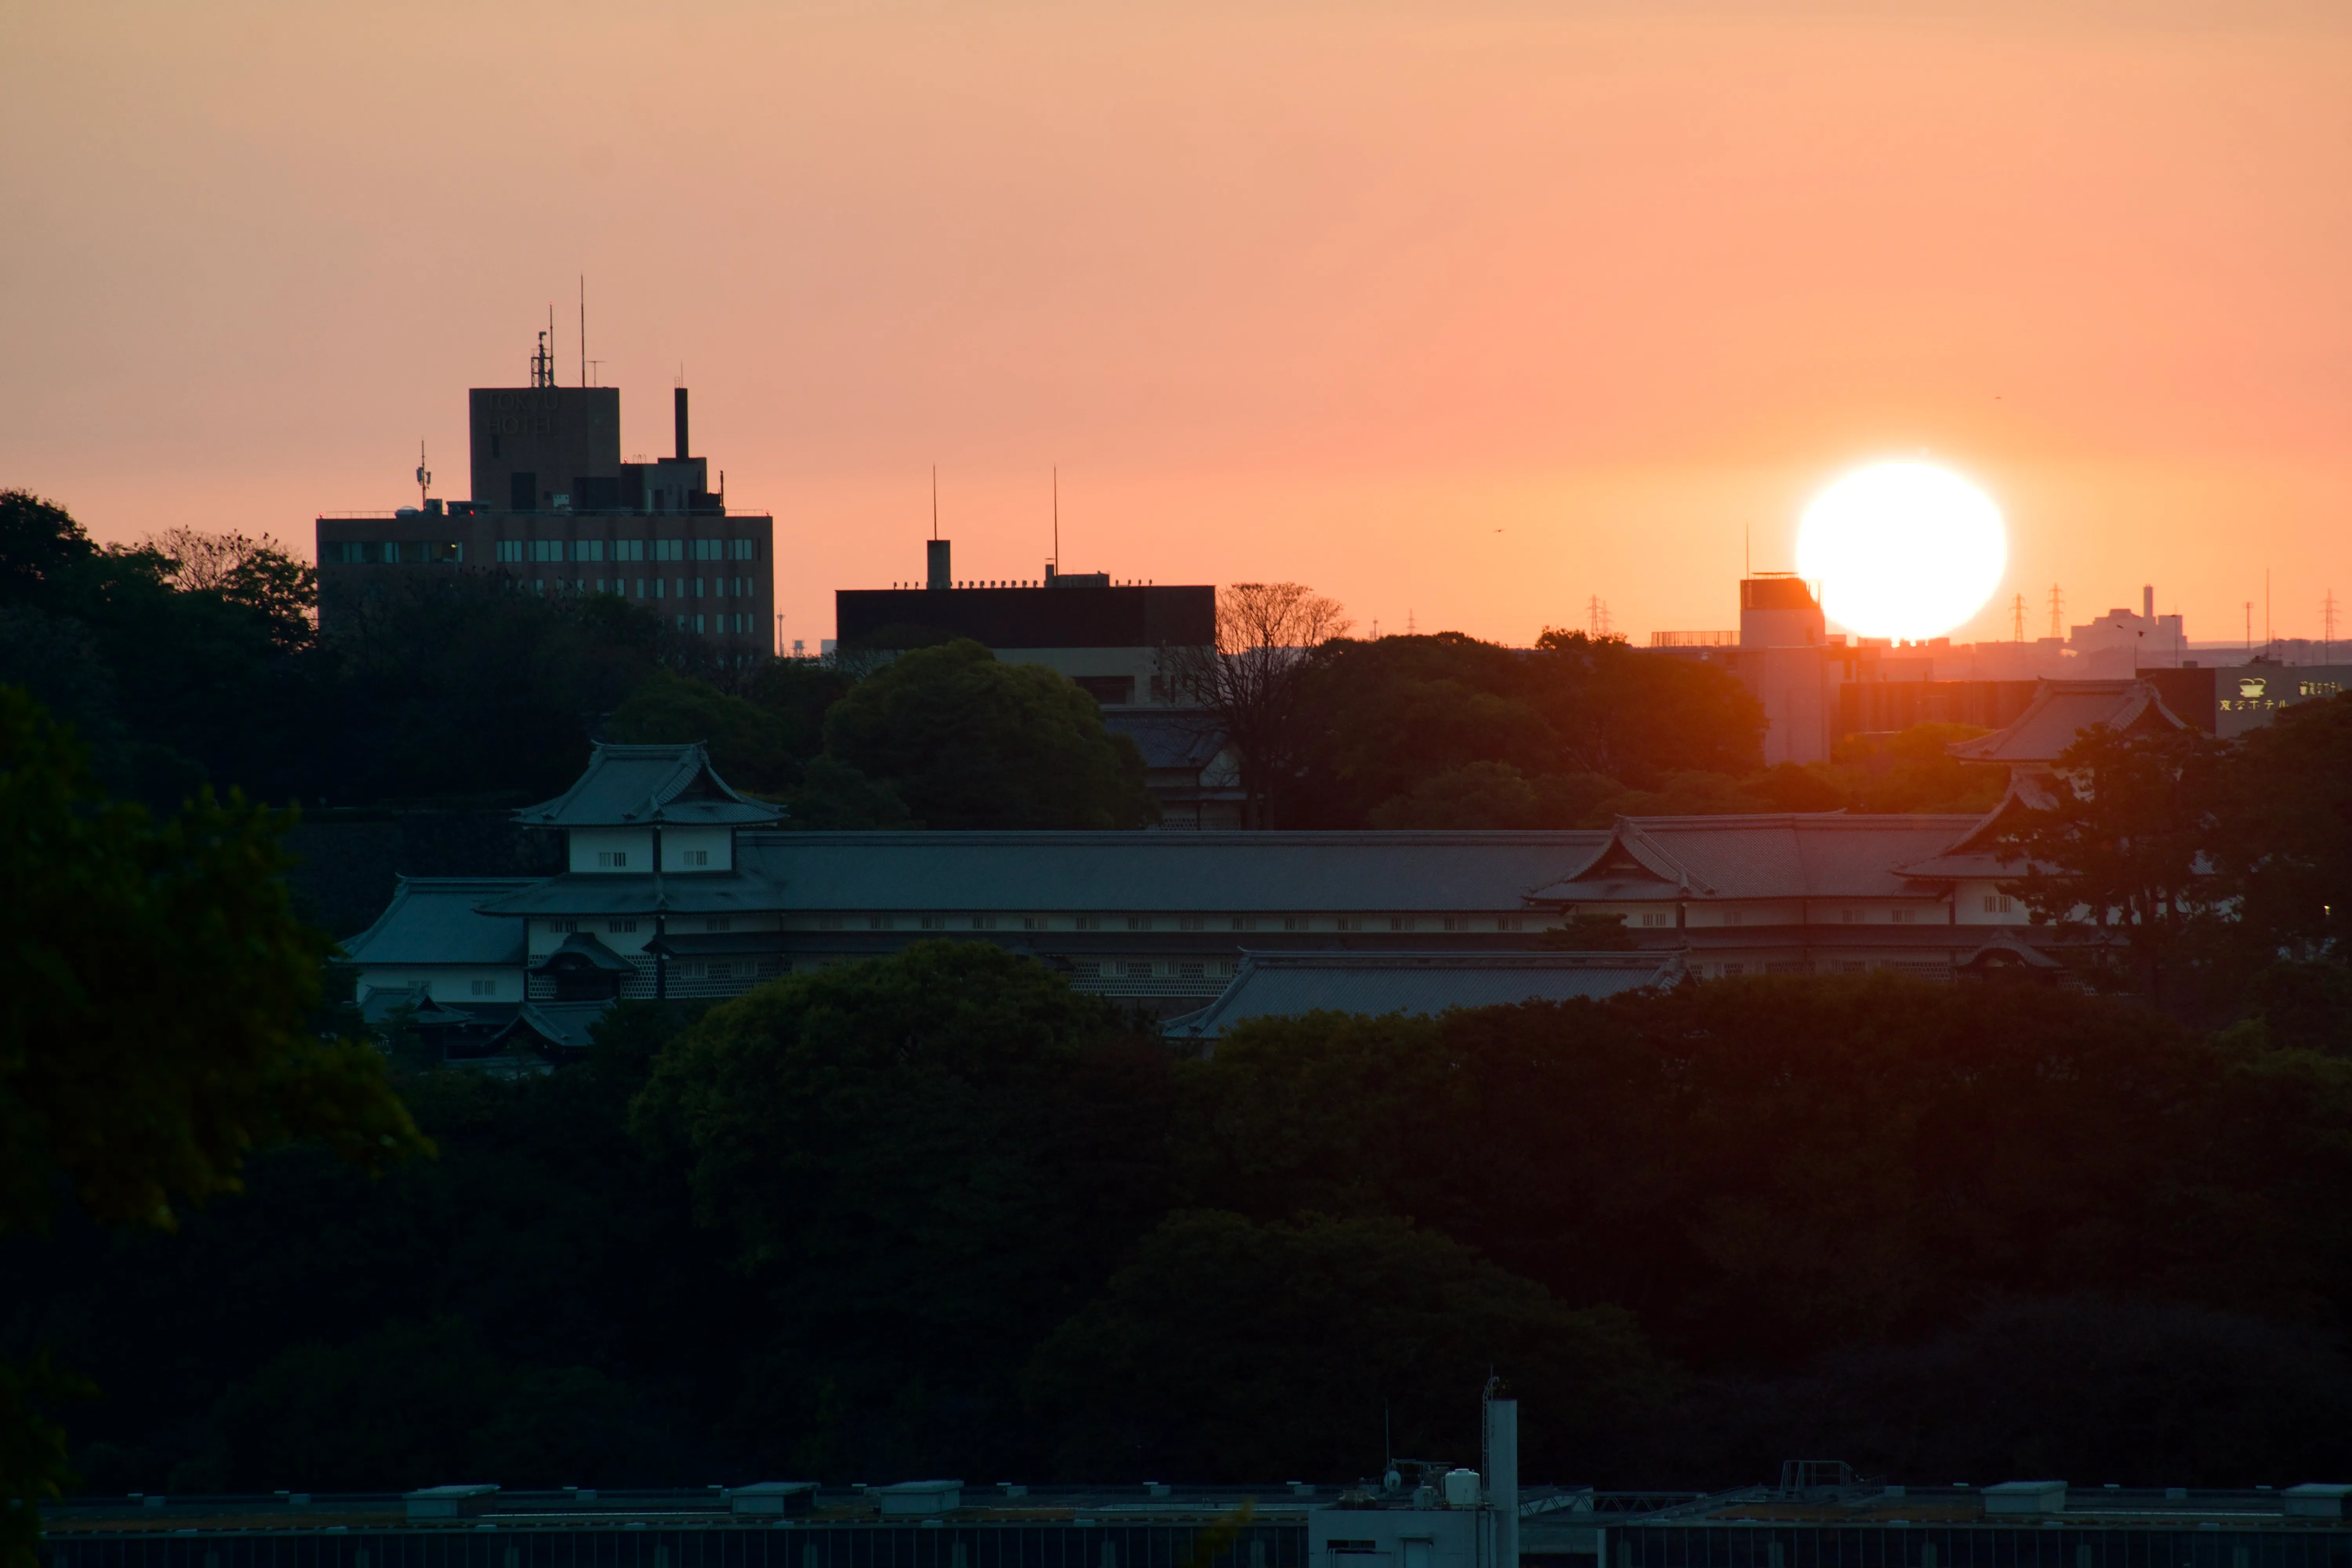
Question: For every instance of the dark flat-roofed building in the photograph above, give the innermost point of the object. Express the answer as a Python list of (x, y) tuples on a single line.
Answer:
[(1105, 635), (554, 508)]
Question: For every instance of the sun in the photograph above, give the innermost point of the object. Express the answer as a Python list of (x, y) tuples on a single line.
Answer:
[(1902, 550)]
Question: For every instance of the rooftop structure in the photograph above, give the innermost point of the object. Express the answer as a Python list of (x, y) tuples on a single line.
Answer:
[(1820, 1513)]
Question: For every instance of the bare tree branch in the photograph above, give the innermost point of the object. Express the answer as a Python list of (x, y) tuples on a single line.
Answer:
[(1252, 680)]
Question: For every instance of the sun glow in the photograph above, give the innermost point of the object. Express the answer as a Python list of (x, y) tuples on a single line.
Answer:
[(1902, 550)]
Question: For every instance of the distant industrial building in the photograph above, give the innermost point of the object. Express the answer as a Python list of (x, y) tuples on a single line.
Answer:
[(554, 507), (1817, 689)]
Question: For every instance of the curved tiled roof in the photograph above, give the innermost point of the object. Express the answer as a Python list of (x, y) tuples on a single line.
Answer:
[(2061, 710), (438, 919), (1778, 855), (635, 786)]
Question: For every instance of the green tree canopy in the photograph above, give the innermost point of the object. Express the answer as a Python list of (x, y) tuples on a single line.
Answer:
[(966, 741), (1446, 731), (748, 745), (1232, 1350), (2124, 852), (928, 1157), (155, 999)]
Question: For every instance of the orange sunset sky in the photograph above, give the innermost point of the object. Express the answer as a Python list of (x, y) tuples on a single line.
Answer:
[(1463, 312)]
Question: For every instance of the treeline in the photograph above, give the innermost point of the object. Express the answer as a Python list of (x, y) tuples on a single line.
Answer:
[(940, 1215), (2206, 875), (202, 659)]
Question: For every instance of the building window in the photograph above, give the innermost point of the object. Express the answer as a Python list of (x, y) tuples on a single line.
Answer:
[(1851, 917), (1089, 922), (828, 922), (629, 550), (1657, 918), (562, 928), (621, 928), (1453, 922), (1246, 922), (1347, 922), (742, 549), (719, 971), (877, 922), (670, 548), (1138, 968), (710, 549), (694, 857), (588, 550), (1297, 922), (1032, 923), (1191, 971), (612, 859), (1731, 917), (1400, 922), (485, 987), (1904, 917), (934, 923), (722, 924), (1138, 922), (1998, 903), (546, 549), (1189, 923), (1222, 968), (983, 922), (1509, 922)]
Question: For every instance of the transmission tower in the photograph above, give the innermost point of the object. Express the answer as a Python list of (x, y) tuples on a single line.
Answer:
[(2057, 612), (1596, 612), (2017, 609), (2327, 628)]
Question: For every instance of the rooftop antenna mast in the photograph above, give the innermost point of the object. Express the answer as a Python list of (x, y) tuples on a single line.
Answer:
[(424, 476), (935, 500), (583, 329), (1058, 519)]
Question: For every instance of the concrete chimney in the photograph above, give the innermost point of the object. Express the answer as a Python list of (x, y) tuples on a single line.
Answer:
[(1503, 1478), (679, 405), (2148, 602), (934, 559)]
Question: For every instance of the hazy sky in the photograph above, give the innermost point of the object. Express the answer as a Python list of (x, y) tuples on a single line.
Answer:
[(1461, 311)]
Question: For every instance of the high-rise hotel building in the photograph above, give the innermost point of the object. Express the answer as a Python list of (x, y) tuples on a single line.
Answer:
[(554, 507)]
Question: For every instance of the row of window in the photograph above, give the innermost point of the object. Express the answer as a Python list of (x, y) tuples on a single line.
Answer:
[(629, 927), (655, 587), (1154, 969), (629, 550), (392, 552), (1187, 922)]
